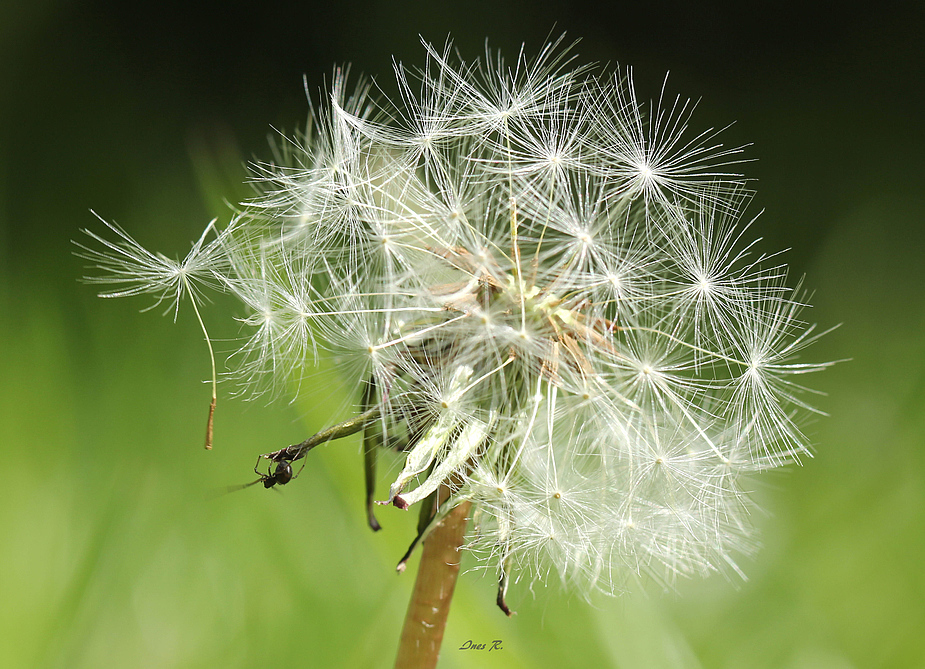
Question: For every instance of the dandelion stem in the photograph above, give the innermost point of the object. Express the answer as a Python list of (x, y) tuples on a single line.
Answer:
[(425, 621)]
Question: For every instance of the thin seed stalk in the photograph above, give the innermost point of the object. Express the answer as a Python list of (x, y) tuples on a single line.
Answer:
[(429, 607)]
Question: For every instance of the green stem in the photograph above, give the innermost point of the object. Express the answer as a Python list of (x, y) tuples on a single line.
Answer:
[(339, 431)]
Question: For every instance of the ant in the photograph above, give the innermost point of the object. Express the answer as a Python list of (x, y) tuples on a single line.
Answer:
[(284, 457), (280, 476)]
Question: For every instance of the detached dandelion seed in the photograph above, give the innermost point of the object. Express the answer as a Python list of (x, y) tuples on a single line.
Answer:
[(133, 270), (541, 290)]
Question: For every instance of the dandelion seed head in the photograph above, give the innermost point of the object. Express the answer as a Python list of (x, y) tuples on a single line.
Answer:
[(546, 282)]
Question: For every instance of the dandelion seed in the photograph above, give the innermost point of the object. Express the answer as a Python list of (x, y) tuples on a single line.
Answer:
[(128, 264)]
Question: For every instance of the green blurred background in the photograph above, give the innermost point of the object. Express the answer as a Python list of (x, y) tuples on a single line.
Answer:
[(114, 551)]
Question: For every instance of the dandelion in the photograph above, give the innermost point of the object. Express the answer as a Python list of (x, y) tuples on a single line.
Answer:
[(540, 287)]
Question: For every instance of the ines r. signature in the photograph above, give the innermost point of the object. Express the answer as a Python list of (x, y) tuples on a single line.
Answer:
[(471, 645)]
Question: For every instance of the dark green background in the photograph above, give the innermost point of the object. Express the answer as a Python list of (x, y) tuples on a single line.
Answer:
[(114, 554)]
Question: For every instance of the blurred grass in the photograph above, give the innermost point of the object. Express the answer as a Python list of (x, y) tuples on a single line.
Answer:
[(117, 553)]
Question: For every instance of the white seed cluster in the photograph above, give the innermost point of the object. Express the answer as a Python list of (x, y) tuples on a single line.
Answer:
[(540, 282)]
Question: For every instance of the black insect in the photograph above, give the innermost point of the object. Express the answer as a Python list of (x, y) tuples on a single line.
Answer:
[(281, 475)]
